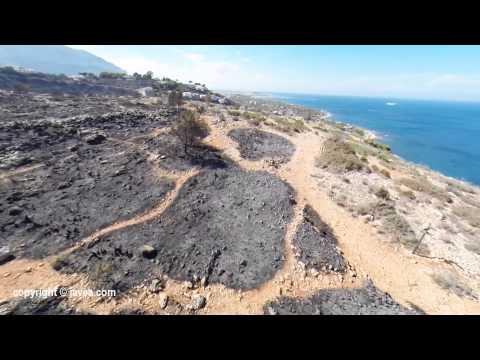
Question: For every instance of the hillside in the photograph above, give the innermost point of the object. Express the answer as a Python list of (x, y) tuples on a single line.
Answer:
[(276, 209), (54, 59)]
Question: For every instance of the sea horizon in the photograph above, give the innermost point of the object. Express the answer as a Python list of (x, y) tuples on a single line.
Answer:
[(441, 135)]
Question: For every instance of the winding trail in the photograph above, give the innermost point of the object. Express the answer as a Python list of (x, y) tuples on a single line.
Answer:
[(406, 277)]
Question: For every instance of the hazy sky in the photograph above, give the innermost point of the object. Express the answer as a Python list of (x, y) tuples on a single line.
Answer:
[(430, 72)]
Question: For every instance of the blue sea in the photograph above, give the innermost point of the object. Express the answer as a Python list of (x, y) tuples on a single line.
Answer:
[(444, 136)]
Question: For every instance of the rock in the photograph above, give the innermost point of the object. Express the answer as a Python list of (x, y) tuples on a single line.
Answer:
[(148, 251), (95, 139), (14, 211), (5, 255), (188, 285), (243, 263), (156, 286), (271, 311), (198, 302), (163, 300)]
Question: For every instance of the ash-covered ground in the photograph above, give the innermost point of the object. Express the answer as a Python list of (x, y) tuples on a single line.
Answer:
[(62, 178), (363, 301), (53, 305), (315, 244), (225, 226), (52, 207), (256, 145)]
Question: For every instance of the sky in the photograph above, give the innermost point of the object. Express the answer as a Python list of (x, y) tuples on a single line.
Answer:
[(394, 71)]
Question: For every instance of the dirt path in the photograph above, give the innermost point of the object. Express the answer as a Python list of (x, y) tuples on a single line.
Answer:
[(406, 277)]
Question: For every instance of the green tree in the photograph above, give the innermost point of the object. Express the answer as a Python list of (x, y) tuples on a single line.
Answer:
[(148, 75)]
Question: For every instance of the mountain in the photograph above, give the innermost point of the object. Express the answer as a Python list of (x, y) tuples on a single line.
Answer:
[(54, 59)]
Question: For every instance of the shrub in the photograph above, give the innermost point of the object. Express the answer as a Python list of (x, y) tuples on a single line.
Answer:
[(58, 262), (359, 132), (453, 185), (451, 282), (234, 113), (395, 225), (111, 75), (382, 193), (385, 173), (426, 187), (469, 214), (408, 194), (380, 146), (290, 125), (339, 156), (189, 129)]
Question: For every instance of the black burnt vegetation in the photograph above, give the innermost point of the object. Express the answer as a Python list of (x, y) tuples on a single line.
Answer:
[(83, 177), (53, 305), (49, 209), (367, 300), (315, 244), (225, 226), (255, 144), (190, 129)]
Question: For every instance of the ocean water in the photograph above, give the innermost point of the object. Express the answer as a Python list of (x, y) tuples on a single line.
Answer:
[(445, 136)]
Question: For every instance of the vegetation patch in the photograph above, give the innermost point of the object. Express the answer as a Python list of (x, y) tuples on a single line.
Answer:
[(289, 126), (339, 156), (469, 214), (426, 187), (409, 194), (385, 173), (380, 146), (453, 185), (359, 132), (451, 282), (392, 223)]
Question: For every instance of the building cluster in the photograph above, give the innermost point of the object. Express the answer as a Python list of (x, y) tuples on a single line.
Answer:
[(188, 95)]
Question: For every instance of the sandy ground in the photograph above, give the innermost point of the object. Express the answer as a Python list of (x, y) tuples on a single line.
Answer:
[(406, 277)]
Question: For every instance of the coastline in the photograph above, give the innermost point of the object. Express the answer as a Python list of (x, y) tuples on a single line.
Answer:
[(370, 135), (373, 135)]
